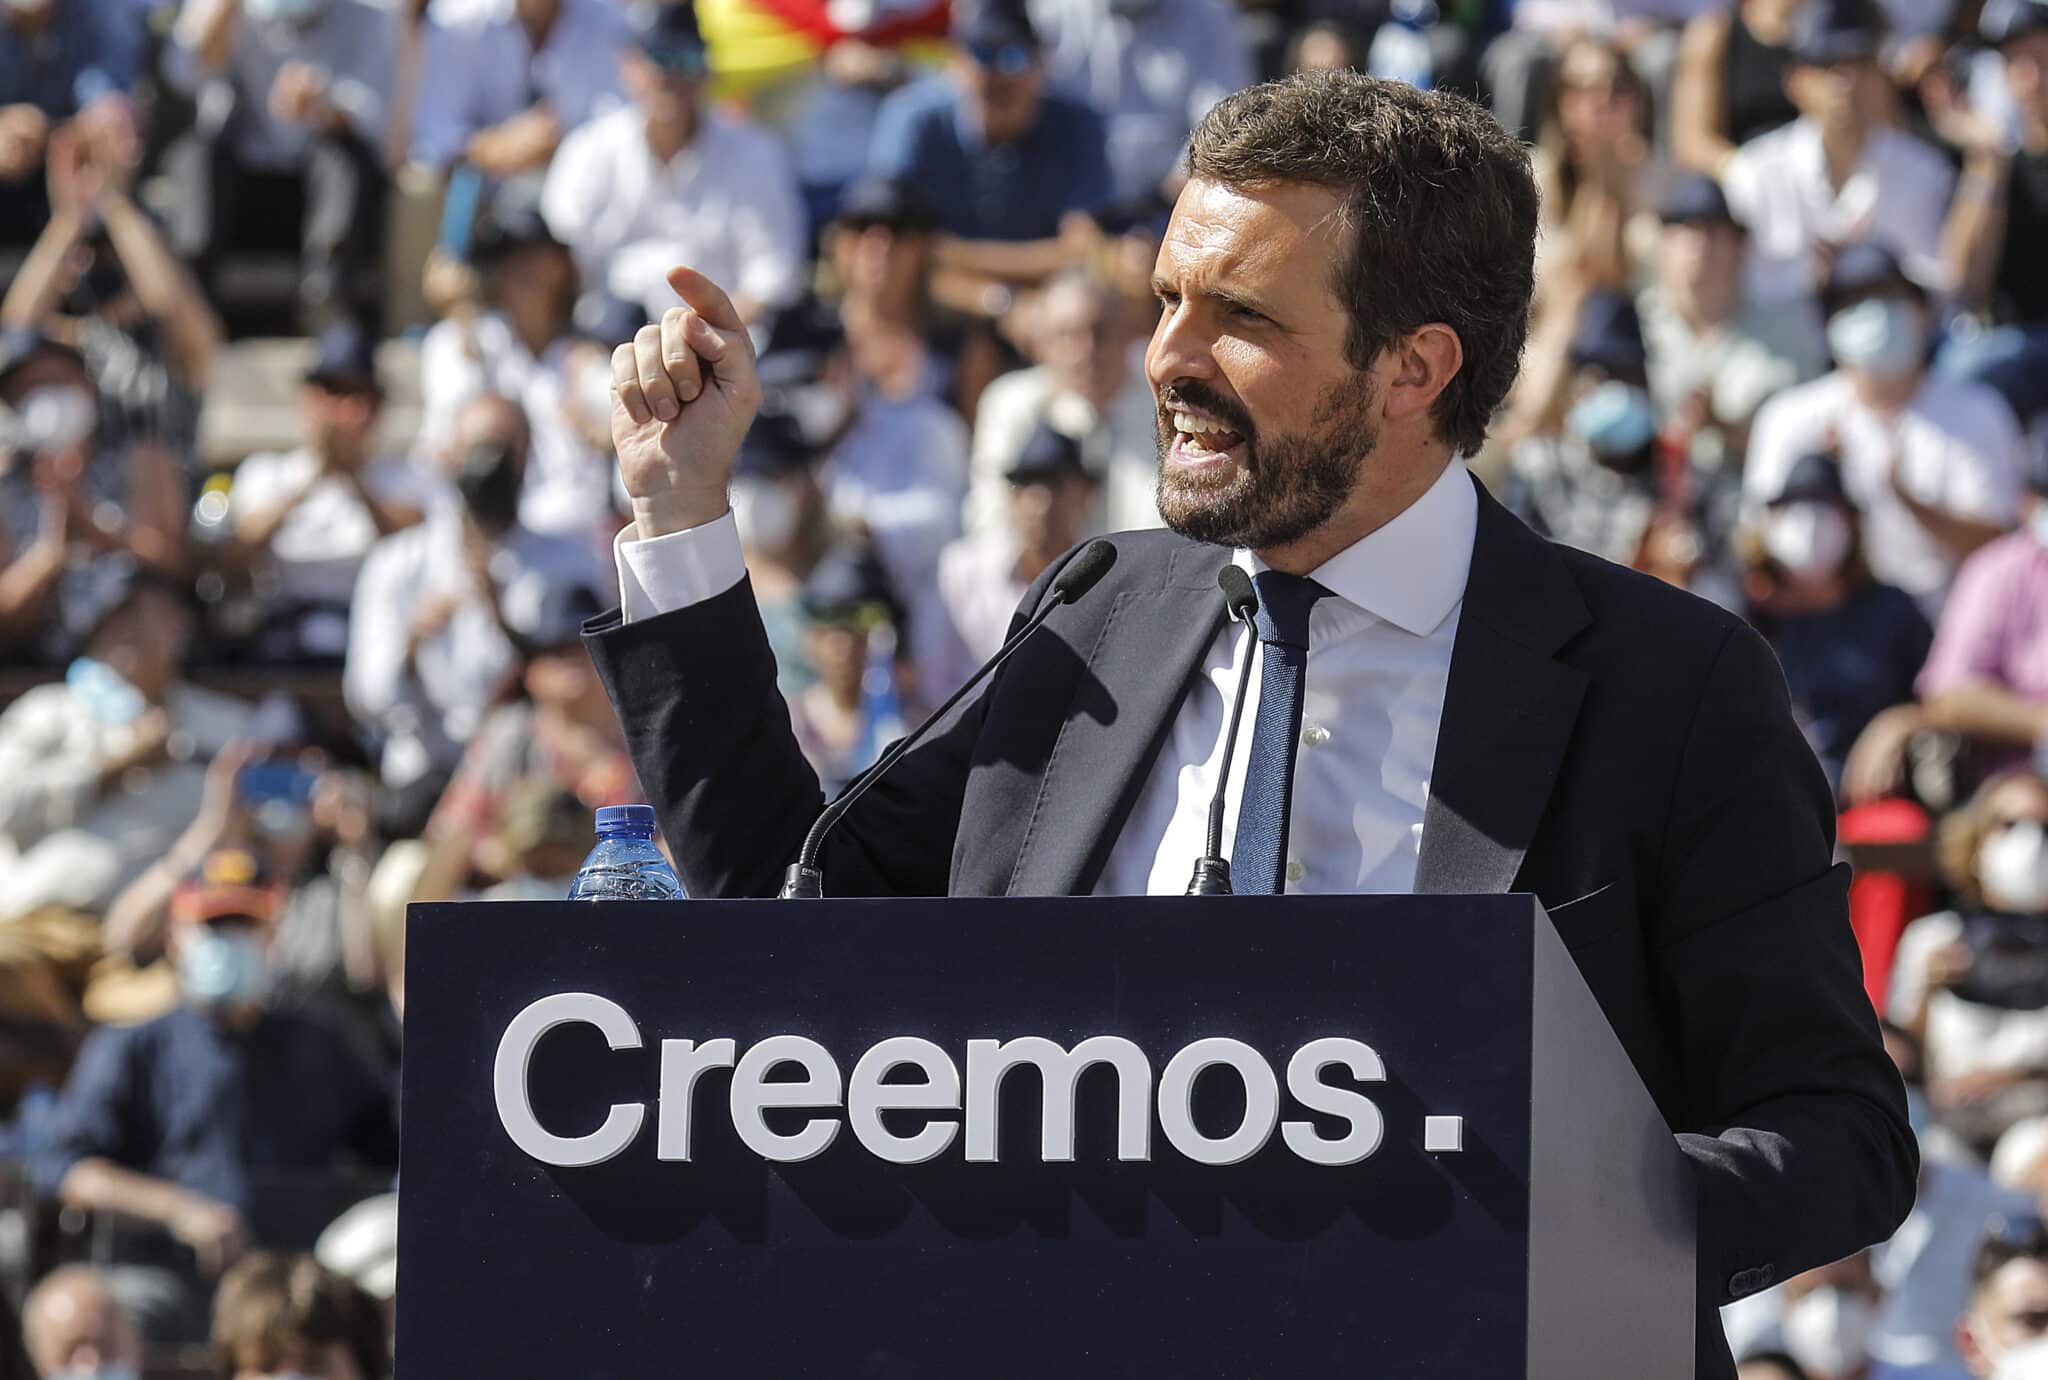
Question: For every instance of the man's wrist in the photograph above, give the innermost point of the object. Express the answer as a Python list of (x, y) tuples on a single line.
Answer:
[(678, 511)]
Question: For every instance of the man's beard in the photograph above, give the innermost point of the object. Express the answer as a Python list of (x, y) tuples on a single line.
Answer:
[(1287, 487)]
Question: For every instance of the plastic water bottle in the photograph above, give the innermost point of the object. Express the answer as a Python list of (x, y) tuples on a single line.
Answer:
[(625, 865), (1400, 47)]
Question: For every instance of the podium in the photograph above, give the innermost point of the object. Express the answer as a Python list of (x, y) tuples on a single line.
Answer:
[(1387, 1137)]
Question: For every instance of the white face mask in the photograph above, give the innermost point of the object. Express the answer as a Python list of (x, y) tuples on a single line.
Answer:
[(2026, 1362), (282, 11), (101, 1373), (765, 511), (224, 969), (1808, 539), (820, 411), (2012, 867), (1829, 1331), (1880, 336), (54, 417)]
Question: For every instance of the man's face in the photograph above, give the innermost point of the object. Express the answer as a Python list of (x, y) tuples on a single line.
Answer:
[(144, 640), (881, 261), (331, 413), (2026, 73), (1846, 95), (1049, 514), (1080, 340), (1701, 259), (665, 95), (76, 1327), (1002, 87), (537, 280), (1264, 425), (2008, 1311)]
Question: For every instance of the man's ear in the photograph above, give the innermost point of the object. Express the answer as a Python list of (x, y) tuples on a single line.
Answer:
[(1419, 367), (1967, 1348)]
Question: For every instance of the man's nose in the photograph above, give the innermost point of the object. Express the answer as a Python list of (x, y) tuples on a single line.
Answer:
[(1180, 349)]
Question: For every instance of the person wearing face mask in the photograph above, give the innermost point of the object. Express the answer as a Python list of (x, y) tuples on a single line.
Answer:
[(1594, 479), (783, 524), (139, 1129), (2003, 1335), (1972, 983), (76, 510), (440, 611), (1829, 1316), (1934, 465), (293, 98), (1850, 645), (76, 1329), (1986, 677)]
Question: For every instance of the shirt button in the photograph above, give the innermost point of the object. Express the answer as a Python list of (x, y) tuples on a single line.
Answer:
[(1296, 870), (1315, 735)]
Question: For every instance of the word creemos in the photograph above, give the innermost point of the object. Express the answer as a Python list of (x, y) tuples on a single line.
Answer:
[(865, 1096)]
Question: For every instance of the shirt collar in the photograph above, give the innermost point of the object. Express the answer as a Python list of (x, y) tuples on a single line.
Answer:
[(1411, 572)]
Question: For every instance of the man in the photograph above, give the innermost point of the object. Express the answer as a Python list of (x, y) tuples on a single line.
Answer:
[(309, 516), (76, 1329), (983, 574), (1934, 464), (2004, 1334), (1085, 382), (1841, 172), (440, 608), (667, 179), (295, 98), (504, 87), (61, 61), (999, 161), (1152, 68), (1344, 292), (225, 1123)]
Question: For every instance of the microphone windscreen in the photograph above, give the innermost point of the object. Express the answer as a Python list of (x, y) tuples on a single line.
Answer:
[(1084, 571), (1238, 595)]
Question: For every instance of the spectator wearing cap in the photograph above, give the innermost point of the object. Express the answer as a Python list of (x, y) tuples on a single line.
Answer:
[(2003, 1335), (1152, 68), (1729, 86), (1085, 381), (1714, 358), (840, 723), (505, 86), (880, 251), (1933, 464), (1999, 221), (441, 611), (780, 512), (1001, 162), (64, 64), (1849, 645), (223, 1124), (1591, 479), (305, 518), (524, 345), (667, 180), (294, 96), (103, 278), (983, 575), (1987, 675), (76, 508), (99, 772), (1842, 172)]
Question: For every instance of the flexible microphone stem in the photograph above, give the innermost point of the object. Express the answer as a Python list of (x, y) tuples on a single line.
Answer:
[(1212, 869), (805, 880)]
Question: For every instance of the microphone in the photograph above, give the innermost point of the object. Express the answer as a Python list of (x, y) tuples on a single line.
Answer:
[(805, 880), (1212, 869)]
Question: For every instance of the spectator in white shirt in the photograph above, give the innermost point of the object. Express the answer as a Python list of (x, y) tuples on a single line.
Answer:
[(983, 575), (1933, 464), (1152, 67), (305, 518), (440, 608), (504, 87), (522, 346), (1840, 173), (1084, 382), (668, 181), (293, 98)]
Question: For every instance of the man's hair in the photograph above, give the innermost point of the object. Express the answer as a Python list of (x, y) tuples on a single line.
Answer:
[(2006, 1239), (1440, 203), (272, 1311)]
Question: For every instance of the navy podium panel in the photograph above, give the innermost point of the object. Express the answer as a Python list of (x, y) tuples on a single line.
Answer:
[(1414, 1261)]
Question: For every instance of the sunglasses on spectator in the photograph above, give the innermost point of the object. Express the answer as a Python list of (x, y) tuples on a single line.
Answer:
[(1004, 59)]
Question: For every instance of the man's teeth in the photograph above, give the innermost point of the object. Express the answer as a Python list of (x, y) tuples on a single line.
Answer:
[(1189, 424)]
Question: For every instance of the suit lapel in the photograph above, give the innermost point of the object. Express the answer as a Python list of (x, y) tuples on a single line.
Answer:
[(1139, 669), (1508, 710)]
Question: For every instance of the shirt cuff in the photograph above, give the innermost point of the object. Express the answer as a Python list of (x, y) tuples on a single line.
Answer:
[(678, 569)]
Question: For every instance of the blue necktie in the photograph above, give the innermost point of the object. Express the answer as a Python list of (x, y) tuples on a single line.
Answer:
[(1260, 852)]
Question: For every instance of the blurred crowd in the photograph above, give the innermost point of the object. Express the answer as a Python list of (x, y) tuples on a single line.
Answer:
[(1790, 351)]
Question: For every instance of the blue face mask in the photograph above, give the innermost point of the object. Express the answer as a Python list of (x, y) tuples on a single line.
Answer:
[(282, 11), (223, 969), (1616, 420), (105, 692), (1880, 336)]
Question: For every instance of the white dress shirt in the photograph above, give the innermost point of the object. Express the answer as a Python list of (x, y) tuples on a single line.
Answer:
[(483, 69), (1379, 658), (726, 205)]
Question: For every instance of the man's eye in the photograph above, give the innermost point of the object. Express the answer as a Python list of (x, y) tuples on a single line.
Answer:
[(1244, 313), (1168, 300)]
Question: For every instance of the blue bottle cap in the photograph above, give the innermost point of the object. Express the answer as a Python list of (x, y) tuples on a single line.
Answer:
[(631, 817)]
